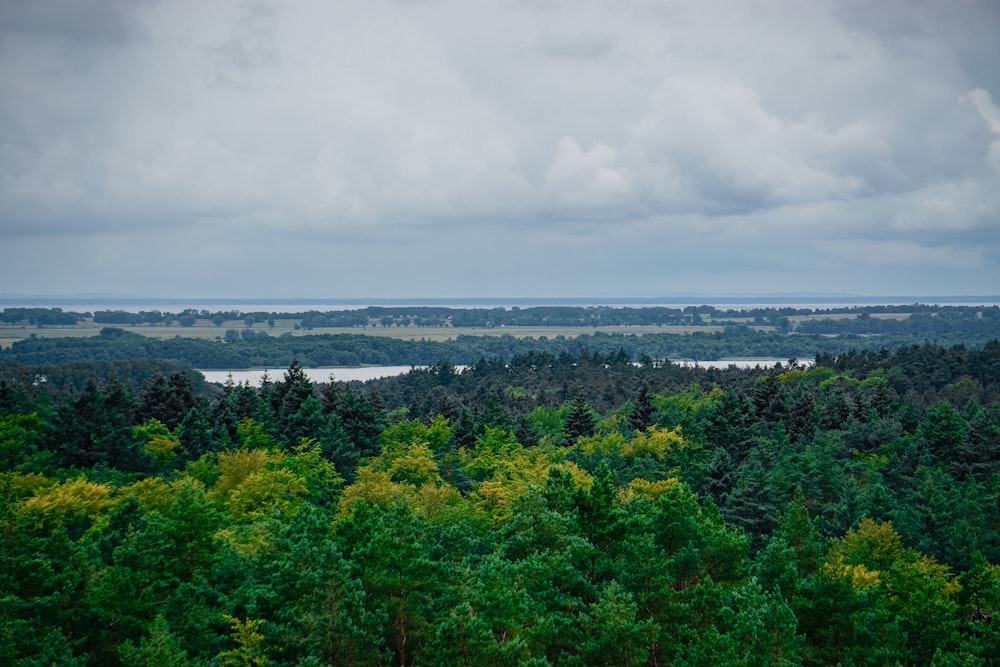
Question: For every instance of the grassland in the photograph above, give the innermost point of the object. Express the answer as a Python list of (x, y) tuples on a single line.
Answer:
[(10, 333)]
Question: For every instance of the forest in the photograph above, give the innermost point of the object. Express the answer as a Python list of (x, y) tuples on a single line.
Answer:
[(540, 509), (250, 348)]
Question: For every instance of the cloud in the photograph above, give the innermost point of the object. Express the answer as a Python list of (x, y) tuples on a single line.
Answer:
[(587, 181), (737, 133), (903, 253), (730, 155), (88, 22), (582, 45), (983, 103)]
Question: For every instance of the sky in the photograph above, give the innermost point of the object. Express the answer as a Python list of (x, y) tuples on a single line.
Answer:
[(537, 148)]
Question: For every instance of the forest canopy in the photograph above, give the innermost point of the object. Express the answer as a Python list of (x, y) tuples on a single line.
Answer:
[(542, 509)]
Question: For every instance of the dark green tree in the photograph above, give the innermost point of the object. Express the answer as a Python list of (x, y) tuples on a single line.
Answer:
[(641, 416), (580, 420), (95, 428), (943, 433), (197, 436), (362, 422)]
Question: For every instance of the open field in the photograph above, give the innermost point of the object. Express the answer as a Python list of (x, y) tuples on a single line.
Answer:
[(12, 333), (795, 319)]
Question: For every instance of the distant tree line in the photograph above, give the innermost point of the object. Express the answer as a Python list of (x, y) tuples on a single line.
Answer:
[(40, 316), (257, 350), (943, 321), (922, 318), (124, 317)]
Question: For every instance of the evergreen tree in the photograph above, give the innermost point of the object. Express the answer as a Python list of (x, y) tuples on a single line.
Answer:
[(196, 435), (979, 454), (161, 648), (361, 422), (767, 399), (95, 428), (641, 416), (13, 399), (288, 397), (464, 432), (801, 420), (943, 433), (580, 420), (307, 422), (493, 415), (726, 424), (166, 399)]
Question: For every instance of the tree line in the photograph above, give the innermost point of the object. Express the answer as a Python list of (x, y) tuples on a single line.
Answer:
[(921, 318), (257, 349)]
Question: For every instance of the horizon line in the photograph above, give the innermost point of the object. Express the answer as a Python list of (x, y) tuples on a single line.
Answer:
[(22, 299)]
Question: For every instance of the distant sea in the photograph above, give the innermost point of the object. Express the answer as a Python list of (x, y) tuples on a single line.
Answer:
[(724, 302)]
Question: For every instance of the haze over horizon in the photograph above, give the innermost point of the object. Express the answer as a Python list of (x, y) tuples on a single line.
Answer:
[(445, 149), (86, 303)]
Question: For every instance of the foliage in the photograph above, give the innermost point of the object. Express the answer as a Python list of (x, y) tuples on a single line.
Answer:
[(845, 514)]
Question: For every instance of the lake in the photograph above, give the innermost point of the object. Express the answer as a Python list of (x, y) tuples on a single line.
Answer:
[(365, 373), (253, 377), (740, 363)]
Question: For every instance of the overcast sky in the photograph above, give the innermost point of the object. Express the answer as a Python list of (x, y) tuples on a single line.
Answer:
[(521, 148)]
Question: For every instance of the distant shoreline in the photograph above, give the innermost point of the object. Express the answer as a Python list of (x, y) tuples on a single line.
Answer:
[(294, 305)]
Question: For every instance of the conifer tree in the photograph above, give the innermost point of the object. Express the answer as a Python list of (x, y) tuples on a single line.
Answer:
[(641, 416), (580, 421)]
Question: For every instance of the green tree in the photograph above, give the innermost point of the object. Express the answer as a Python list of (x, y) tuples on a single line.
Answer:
[(95, 428), (287, 400), (389, 557), (641, 416), (197, 437), (249, 640), (613, 633), (943, 433), (20, 435), (361, 421), (580, 420), (166, 399), (159, 648), (491, 622), (316, 607)]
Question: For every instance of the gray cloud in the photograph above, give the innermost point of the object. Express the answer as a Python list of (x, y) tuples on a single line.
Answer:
[(585, 45), (77, 22), (575, 148)]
